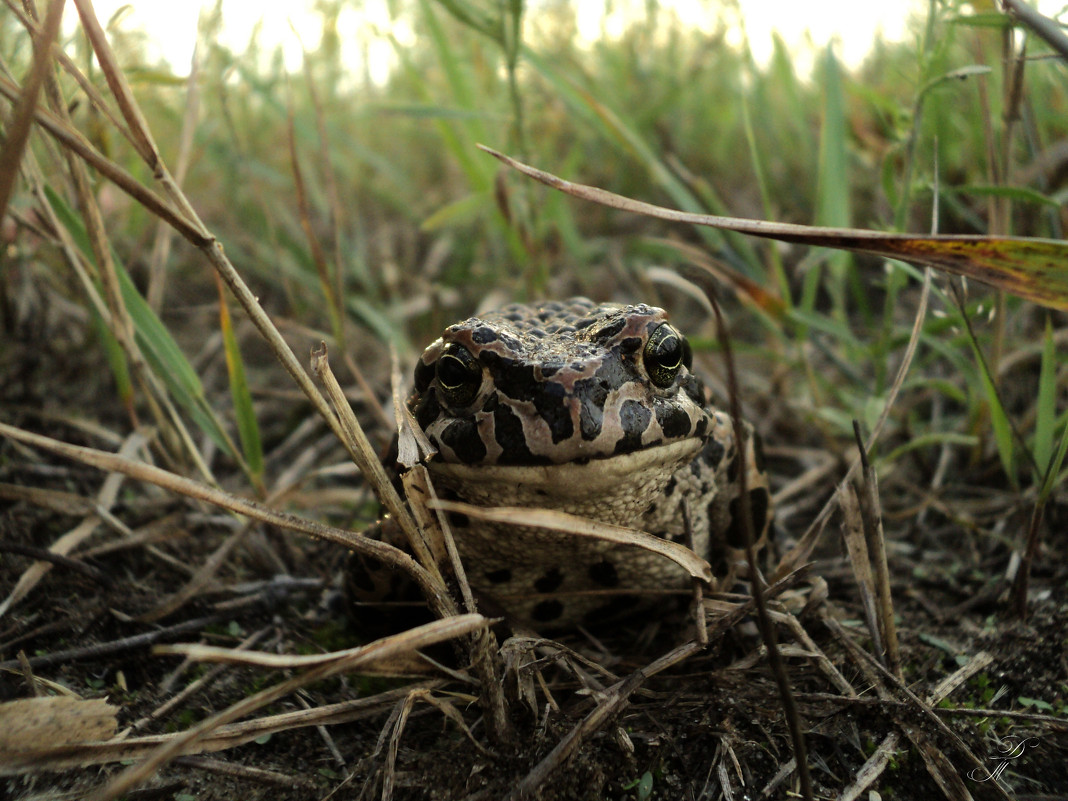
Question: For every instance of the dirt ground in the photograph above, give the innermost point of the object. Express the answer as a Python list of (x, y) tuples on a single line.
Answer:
[(711, 726)]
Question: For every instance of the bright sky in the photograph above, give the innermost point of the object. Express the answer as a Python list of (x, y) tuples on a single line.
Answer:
[(171, 24)]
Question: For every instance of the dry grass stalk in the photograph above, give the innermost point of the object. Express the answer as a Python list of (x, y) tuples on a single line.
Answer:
[(52, 500), (220, 739), (860, 561), (405, 664), (484, 650), (757, 582), (823, 662), (395, 727), (174, 208), (111, 308), (359, 447), (17, 129), (195, 686), (202, 578), (807, 542), (349, 661), (872, 514), (425, 534), (192, 489), (47, 724), (878, 761), (247, 773), (72, 539), (164, 237), (611, 703), (890, 688), (118, 317)]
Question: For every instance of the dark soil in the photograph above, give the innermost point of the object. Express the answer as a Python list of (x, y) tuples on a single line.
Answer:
[(715, 719)]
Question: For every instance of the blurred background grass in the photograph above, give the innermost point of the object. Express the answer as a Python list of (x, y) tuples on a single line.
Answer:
[(360, 210)]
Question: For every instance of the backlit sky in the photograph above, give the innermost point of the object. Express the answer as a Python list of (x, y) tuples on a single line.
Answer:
[(171, 24)]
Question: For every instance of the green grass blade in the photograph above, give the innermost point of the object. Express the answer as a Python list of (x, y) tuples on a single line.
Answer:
[(833, 207), (612, 128), (120, 369), (1046, 407), (459, 212), (460, 134), (248, 428), (161, 352), (1053, 473), (1000, 422), (774, 256), (479, 173), (933, 440)]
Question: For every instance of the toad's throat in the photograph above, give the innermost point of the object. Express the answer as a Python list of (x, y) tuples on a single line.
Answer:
[(586, 486)]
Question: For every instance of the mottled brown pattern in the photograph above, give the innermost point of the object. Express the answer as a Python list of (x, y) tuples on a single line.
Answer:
[(567, 405)]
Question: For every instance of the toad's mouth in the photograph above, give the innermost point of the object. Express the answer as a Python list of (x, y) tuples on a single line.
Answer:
[(571, 479)]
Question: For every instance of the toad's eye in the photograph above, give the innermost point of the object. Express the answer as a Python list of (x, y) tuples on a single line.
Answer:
[(666, 352), (459, 375)]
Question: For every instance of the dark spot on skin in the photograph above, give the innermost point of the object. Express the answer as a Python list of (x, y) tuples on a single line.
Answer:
[(523, 383), (426, 409), (593, 392), (519, 381), (758, 503), (630, 344), (483, 335), (712, 453), (508, 431), (604, 573), (463, 438), (670, 487), (711, 511), (424, 374), (549, 369), (591, 417), (494, 360), (702, 426), (609, 330), (611, 610), (673, 420), (547, 611), (758, 452), (732, 467), (693, 387), (550, 581), (499, 576), (650, 509), (735, 533), (634, 419), (760, 500)]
